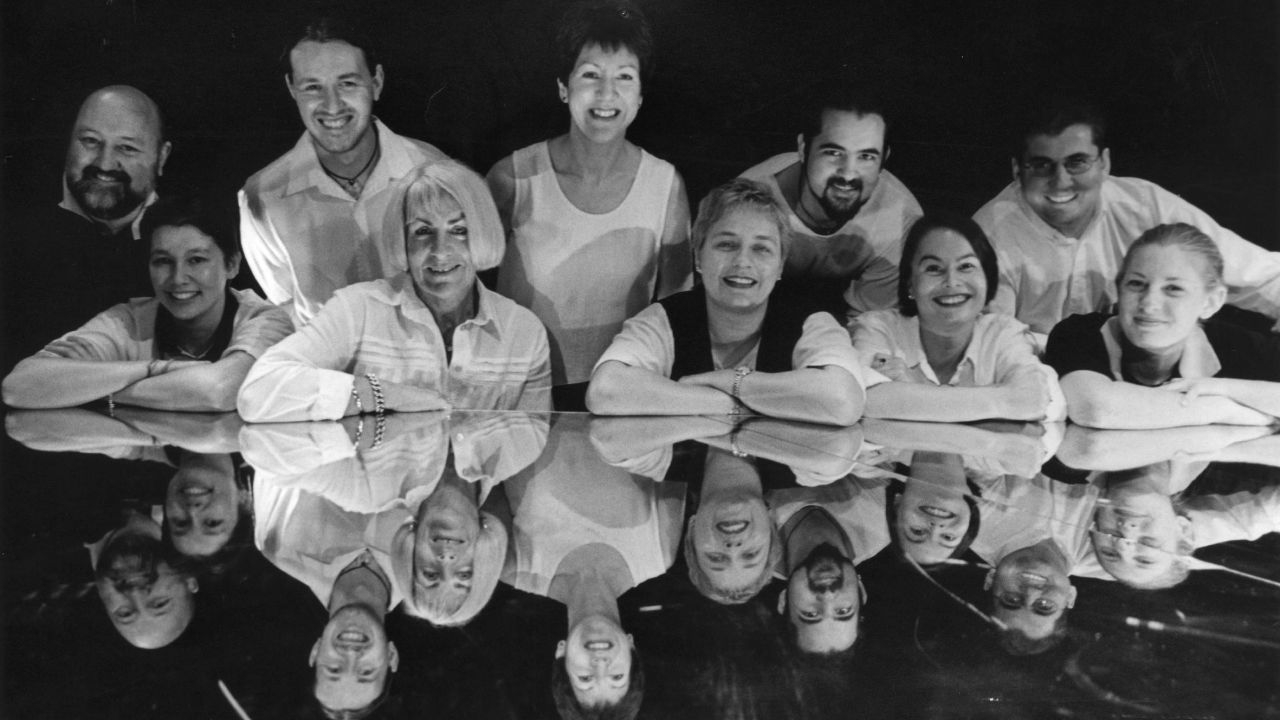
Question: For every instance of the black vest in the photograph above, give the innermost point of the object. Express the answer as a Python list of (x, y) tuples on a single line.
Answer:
[(779, 333)]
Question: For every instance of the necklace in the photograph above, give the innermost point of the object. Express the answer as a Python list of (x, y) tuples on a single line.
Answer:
[(354, 184)]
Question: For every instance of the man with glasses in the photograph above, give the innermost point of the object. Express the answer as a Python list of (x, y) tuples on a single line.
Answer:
[(1063, 225)]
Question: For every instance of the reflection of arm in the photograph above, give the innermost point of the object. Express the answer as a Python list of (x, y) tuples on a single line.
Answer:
[(819, 450), (1017, 453), (73, 430), (264, 252), (1095, 400), (1089, 449), (675, 262), (619, 439)]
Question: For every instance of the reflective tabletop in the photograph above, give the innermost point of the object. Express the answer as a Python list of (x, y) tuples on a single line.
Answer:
[(183, 565)]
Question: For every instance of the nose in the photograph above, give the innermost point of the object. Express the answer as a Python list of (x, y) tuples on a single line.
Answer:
[(331, 102), (1061, 177)]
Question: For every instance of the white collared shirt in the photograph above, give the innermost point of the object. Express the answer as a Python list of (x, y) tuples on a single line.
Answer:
[(501, 359), (304, 237)]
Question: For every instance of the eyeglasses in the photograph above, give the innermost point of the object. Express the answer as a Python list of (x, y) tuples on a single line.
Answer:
[(1074, 165)]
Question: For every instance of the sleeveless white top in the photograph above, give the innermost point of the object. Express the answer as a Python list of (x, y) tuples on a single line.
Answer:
[(582, 274)]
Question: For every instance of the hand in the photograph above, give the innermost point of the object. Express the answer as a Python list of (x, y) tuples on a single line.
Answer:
[(892, 367), (721, 380), (162, 367), (1192, 388), (408, 398), (1027, 395)]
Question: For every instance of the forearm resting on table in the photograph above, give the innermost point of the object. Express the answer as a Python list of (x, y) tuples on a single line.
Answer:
[(827, 395), (206, 387), (933, 403), (620, 389), (53, 382), (1094, 400)]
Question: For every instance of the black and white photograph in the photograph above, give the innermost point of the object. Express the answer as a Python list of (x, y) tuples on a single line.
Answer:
[(658, 359)]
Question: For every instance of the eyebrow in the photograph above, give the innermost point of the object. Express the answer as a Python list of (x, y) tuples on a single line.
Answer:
[(935, 257)]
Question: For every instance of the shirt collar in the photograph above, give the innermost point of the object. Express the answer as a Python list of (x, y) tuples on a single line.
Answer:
[(70, 205), (399, 291), (305, 172), (1198, 358), (916, 358)]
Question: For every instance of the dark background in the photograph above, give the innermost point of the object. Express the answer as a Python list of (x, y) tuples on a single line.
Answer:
[(1192, 86)]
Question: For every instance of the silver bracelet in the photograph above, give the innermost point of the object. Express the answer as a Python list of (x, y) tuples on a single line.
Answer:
[(738, 376), (356, 396), (379, 404)]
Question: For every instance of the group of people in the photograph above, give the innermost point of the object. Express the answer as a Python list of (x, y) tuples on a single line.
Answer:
[(369, 247), (811, 288)]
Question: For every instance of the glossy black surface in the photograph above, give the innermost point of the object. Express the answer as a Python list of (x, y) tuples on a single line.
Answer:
[(927, 647)]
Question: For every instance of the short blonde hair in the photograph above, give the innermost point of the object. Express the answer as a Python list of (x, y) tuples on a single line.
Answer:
[(739, 192), (485, 236), (444, 609)]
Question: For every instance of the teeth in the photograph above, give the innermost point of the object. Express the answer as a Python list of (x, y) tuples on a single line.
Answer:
[(605, 114), (599, 645), (352, 636), (937, 512), (185, 295), (734, 526), (952, 299), (739, 282), (1060, 199), (333, 124), (442, 271)]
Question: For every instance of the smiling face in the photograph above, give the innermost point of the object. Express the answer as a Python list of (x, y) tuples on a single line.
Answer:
[(1163, 295), (741, 259), (1066, 202), (842, 164), (947, 281), (335, 92), (603, 93), (1030, 592), (115, 153), (1139, 536), (202, 506), (597, 658), (931, 520), (822, 601), (352, 659), (732, 533), (149, 612), (189, 274), (445, 548), (439, 252)]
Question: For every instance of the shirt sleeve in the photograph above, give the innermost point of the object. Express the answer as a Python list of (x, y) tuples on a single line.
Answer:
[(258, 327), (112, 334), (307, 376), (264, 252), (1015, 351), (645, 342), (873, 334), (824, 343)]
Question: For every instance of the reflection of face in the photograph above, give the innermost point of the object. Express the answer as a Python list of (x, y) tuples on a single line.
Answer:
[(1137, 534), (444, 547), (1163, 295), (201, 507), (932, 521), (439, 253), (731, 537), (334, 91), (842, 163), (741, 259), (352, 659), (597, 658), (947, 281), (150, 613), (115, 155), (1066, 202), (603, 92), (189, 274), (1029, 592), (822, 602)]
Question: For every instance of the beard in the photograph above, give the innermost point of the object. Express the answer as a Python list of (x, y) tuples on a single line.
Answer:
[(841, 210), (104, 201), (822, 560)]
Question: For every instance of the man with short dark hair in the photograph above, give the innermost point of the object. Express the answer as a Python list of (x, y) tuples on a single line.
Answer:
[(115, 156), (847, 213), (317, 219), (1061, 228)]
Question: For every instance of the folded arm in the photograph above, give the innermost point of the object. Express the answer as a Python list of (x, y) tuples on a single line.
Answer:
[(1094, 400)]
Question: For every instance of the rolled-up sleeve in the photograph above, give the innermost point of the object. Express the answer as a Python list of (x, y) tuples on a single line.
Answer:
[(823, 342), (645, 342), (307, 375)]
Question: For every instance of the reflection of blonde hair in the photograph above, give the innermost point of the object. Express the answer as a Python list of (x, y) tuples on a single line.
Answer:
[(485, 236), (440, 607)]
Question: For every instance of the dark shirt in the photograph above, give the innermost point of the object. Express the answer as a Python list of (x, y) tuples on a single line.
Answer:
[(1076, 344), (59, 271)]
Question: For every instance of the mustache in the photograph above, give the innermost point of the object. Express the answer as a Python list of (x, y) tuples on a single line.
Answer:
[(835, 182), (819, 556), (93, 172)]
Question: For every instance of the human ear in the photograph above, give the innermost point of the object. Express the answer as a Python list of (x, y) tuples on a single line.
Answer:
[(1214, 300), (393, 657), (1104, 161), (378, 79), (1071, 597), (315, 653), (989, 580), (563, 90), (233, 266), (561, 648), (193, 585), (165, 148), (1016, 168)]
